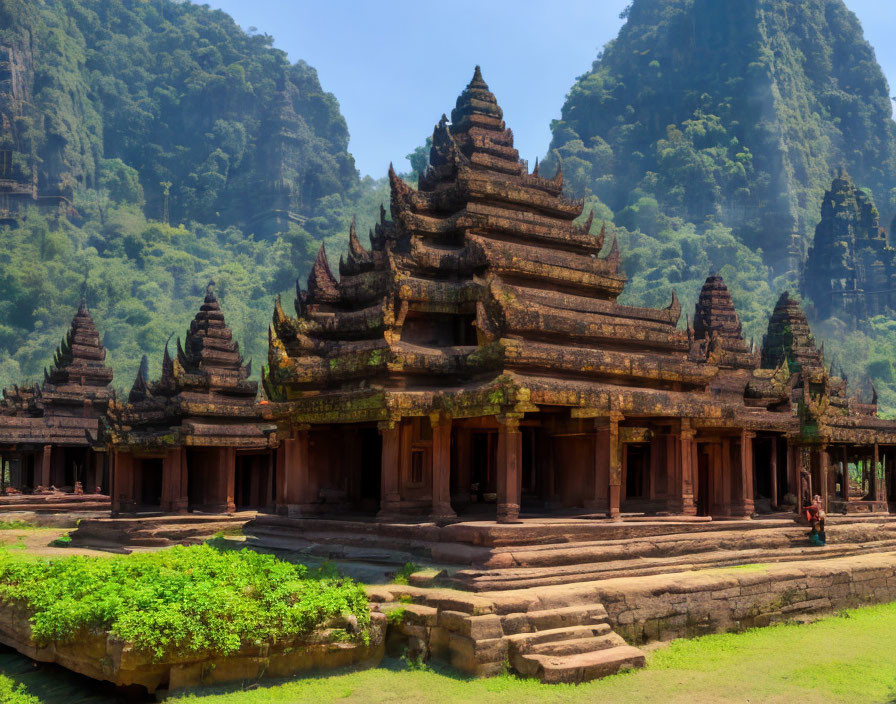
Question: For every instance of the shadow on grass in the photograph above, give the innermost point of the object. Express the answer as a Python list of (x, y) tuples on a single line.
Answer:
[(390, 664)]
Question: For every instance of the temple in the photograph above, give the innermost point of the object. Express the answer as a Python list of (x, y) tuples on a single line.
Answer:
[(49, 432), (850, 272), (193, 440), (476, 362)]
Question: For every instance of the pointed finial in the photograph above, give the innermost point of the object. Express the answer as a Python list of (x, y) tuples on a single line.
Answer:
[(535, 170), (477, 75), (143, 372), (613, 256), (210, 292)]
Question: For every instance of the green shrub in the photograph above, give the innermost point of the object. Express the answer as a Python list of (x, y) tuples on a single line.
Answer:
[(185, 599), (404, 574), (11, 693)]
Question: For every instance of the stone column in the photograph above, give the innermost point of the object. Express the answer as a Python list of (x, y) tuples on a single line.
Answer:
[(230, 477), (122, 489), (824, 475), (616, 448), (727, 486), (441, 467), (879, 481), (222, 479), (742, 478), (845, 488), (174, 482), (508, 470), (293, 473), (601, 467), (390, 494), (773, 468), (682, 470), (46, 460)]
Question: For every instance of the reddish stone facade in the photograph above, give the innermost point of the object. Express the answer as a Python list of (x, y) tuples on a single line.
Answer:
[(49, 431), (193, 440), (476, 361)]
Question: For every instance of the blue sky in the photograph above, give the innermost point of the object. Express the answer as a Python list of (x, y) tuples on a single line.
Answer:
[(396, 66)]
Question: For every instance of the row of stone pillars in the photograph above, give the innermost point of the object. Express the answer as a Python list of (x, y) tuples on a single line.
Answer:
[(509, 463), (293, 490)]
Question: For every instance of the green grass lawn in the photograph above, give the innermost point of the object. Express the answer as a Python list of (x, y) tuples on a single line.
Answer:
[(845, 658)]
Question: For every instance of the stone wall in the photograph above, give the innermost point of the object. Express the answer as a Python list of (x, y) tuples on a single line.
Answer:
[(685, 605)]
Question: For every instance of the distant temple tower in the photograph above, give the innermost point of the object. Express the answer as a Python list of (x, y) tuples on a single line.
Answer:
[(850, 272)]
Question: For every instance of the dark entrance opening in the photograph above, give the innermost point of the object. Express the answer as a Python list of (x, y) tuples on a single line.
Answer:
[(371, 470), (253, 488), (704, 487), (636, 472), (149, 483), (762, 475), (483, 468)]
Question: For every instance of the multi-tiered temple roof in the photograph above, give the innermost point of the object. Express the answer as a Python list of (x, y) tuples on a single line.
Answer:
[(204, 396), (482, 278), (65, 408)]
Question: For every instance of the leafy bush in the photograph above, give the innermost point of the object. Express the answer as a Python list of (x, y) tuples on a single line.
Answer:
[(12, 693), (404, 574), (186, 599)]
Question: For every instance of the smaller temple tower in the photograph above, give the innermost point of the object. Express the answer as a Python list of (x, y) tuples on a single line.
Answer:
[(850, 272), (193, 440), (50, 431)]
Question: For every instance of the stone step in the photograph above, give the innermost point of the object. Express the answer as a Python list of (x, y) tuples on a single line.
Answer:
[(522, 578), (549, 619), (522, 643), (577, 646), (784, 537), (580, 667)]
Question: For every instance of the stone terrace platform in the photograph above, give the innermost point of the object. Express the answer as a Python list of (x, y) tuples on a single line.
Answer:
[(55, 502), (577, 632), (484, 556), (155, 530)]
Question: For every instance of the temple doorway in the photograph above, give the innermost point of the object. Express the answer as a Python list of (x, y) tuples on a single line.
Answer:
[(704, 483), (762, 474), (636, 480), (483, 467), (148, 483), (369, 485), (253, 486)]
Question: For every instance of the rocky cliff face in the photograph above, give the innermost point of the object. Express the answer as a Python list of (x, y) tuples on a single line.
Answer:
[(180, 95), (734, 111)]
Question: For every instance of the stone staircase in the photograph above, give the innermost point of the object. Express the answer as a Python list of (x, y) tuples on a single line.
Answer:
[(548, 639), (571, 653)]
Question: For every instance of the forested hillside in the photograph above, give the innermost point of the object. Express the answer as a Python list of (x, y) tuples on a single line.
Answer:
[(168, 147), (733, 113), (708, 131)]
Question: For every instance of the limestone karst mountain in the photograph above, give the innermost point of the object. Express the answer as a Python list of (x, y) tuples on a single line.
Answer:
[(731, 111)]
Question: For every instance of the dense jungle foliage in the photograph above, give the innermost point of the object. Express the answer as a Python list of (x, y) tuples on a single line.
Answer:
[(731, 113), (184, 149)]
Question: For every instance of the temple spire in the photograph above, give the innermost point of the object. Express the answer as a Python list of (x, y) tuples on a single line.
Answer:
[(322, 285)]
